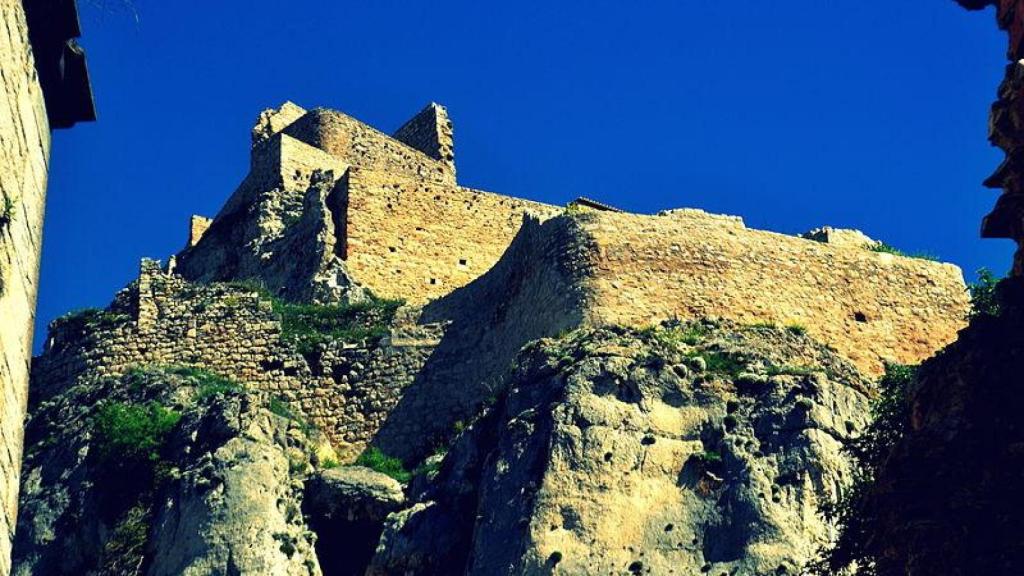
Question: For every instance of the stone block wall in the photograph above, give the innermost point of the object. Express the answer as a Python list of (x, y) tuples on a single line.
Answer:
[(24, 153), (870, 306), (430, 132), (358, 144), (346, 390), (419, 241)]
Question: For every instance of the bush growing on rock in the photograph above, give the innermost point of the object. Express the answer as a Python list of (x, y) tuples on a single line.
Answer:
[(890, 421), (132, 432)]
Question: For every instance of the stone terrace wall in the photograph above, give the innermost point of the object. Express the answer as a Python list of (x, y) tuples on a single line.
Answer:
[(687, 264), (347, 391), (24, 152), (420, 241), (358, 144)]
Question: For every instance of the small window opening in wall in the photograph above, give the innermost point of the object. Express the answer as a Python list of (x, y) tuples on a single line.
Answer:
[(433, 281), (463, 262), (298, 174), (392, 249), (438, 197), (860, 317)]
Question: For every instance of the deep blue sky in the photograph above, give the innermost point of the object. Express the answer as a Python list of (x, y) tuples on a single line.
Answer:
[(868, 114)]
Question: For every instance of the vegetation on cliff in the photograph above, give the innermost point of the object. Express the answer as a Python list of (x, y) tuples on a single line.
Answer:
[(310, 325), (855, 552)]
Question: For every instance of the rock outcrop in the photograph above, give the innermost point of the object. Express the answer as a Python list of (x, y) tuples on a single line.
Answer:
[(694, 448), (163, 472)]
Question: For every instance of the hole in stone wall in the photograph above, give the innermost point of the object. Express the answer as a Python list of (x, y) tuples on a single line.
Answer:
[(860, 317), (433, 281), (463, 261), (392, 249)]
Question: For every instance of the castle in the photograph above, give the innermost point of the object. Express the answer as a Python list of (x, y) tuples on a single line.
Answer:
[(331, 204), (335, 211)]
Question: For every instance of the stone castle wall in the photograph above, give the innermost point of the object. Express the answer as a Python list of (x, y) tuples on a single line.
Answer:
[(419, 241), (24, 152), (345, 390), (870, 306), (358, 144)]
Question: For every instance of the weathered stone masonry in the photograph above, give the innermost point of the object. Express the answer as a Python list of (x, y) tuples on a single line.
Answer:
[(346, 390), (43, 85)]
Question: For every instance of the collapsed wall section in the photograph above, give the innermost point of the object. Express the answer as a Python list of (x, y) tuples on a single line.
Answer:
[(345, 389), (419, 241), (872, 307)]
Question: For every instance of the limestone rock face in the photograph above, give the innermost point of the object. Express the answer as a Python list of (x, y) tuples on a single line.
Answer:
[(698, 448), (218, 493)]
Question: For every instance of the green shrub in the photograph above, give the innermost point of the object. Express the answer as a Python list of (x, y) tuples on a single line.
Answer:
[(890, 421), (133, 432), (80, 322), (307, 326), (708, 457), (789, 370), (887, 249), (720, 363), (7, 211), (207, 383), (797, 329), (374, 459), (983, 294), (280, 407)]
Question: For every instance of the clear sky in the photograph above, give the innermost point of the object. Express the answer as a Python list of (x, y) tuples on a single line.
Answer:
[(867, 114)]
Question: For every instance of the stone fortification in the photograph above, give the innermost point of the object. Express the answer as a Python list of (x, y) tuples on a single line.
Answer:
[(346, 389), (419, 241), (872, 307), (325, 215), (389, 219), (43, 84)]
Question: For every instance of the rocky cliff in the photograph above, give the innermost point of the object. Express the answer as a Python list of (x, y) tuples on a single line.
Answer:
[(702, 447), (694, 448), (544, 390)]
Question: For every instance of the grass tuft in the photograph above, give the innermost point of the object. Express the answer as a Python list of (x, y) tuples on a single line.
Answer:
[(378, 461)]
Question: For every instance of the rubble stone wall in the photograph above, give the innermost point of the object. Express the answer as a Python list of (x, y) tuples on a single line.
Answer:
[(24, 152), (345, 390)]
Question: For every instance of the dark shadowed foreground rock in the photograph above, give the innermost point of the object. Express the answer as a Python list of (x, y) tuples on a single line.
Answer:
[(697, 448), (948, 499), (346, 507)]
